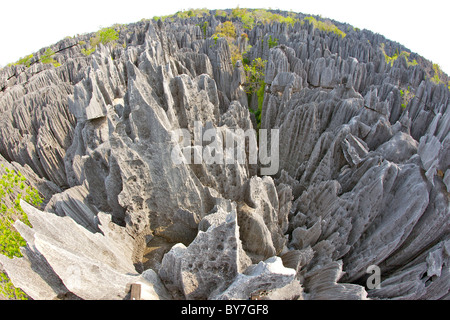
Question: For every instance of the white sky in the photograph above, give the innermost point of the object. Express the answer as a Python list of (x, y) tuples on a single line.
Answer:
[(27, 26)]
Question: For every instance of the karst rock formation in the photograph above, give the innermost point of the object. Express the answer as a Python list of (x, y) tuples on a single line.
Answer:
[(363, 180)]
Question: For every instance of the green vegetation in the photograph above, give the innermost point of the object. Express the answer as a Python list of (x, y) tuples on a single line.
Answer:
[(247, 18), (47, 58), (103, 36), (26, 61), (108, 35), (406, 55), (260, 95), (265, 17), (236, 55), (192, 13), (251, 18), (8, 290), (272, 43), (255, 74), (162, 18), (407, 96), (390, 60), (13, 188), (221, 13), (254, 70), (205, 28), (326, 26), (87, 52), (437, 74), (227, 30)]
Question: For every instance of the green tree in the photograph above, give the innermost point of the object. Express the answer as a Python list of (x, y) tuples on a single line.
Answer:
[(326, 26), (437, 74), (221, 13), (26, 61), (254, 83), (192, 13), (247, 17), (47, 57), (272, 42), (13, 188), (391, 59), (227, 30), (87, 52), (107, 35), (103, 36), (407, 95)]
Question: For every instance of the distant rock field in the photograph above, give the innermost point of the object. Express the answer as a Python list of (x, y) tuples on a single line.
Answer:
[(359, 208)]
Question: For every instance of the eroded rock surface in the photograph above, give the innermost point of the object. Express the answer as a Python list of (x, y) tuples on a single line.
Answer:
[(363, 176)]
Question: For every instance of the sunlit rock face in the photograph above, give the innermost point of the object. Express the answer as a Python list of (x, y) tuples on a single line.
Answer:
[(363, 175)]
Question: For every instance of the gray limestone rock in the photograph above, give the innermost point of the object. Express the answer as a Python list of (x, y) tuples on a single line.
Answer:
[(260, 219), (212, 260), (323, 284), (74, 261), (399, 149), (265, 280), (363, 173)]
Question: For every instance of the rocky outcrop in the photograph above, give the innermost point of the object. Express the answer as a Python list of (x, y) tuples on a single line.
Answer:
[(211, 262), (363, 174), (73, 262), (268, 280)]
